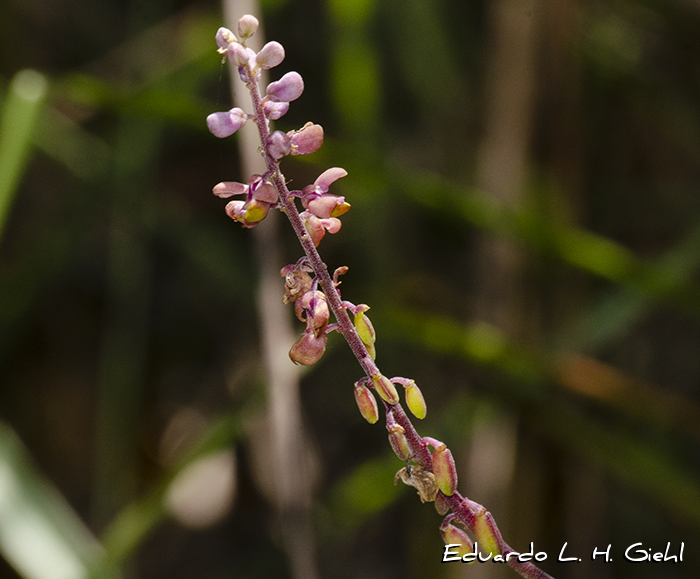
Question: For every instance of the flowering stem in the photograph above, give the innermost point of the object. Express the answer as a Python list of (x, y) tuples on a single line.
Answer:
[(438, 469)]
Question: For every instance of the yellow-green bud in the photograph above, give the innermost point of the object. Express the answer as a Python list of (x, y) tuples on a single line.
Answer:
[(453, 535), (366, 332), (415, 401), (486, 533), (385, 389), (444, 469)]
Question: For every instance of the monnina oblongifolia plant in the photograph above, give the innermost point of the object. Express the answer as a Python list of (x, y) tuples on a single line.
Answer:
[(315, 295)]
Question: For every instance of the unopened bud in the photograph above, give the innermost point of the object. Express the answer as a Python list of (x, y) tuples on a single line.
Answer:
[(441, 505), (398, 442), (278, 145), (415, 401), (486, 533), (367, 403), (385, 389), (366, 332), (224, 37), (274, 111), (225, 124), (444, 469), (286, 89), (459, 540), (270, 55), (238, 54), (247, 25)]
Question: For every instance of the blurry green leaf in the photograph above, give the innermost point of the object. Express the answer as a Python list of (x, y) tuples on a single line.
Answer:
[(364, 492), (40, 535), (20, 112)]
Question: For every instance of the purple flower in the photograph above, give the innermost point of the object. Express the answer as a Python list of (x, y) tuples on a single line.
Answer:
[(286, 89), (317, 200), (226, 123), (260, 195), (278, 145), (238, 54), (224, 37), (247, 25), (274, 111), (270, 55), (306, 140), (317, 228)]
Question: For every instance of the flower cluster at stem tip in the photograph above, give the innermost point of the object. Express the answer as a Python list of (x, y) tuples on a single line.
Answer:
[(321, 208), (434, 476)]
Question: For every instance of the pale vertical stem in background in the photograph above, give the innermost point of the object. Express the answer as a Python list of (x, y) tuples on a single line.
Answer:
[(502, 174), (287, 462)]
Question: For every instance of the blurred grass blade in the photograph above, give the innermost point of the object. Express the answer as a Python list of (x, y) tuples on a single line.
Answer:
[(40, 535), (25, 97)]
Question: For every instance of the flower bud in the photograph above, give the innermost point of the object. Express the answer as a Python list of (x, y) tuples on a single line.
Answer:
[(444, 469), (274, 111), (286, 89), (306, 140), (398, 442), (453, 535), (415, 401), (441, 505), (278, 145), (224, 37), (238, 54), (486, 533), (247, 25), (367, 403), (366, 332), (309, 348), (270, 55), (225, 124), (385, 389)]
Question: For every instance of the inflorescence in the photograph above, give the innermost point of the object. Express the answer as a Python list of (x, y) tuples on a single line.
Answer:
[(315, 294)]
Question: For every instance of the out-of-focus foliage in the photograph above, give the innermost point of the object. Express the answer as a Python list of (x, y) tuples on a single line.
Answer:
[(128, 330)]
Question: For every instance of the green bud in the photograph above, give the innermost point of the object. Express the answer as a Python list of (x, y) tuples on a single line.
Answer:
[(366, 331), (385, 389), (453, 535), (367, 403), (398, 442), (444, 469), (486, 533), (415, 401)]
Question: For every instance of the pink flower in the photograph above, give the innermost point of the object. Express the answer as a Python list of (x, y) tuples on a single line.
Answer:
[(225, 124), (306, 140), (317, 228), (286, 89), (317, 200), (260, 195)]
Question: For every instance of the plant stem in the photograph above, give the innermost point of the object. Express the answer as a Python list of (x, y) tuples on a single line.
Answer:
[(465, 509)]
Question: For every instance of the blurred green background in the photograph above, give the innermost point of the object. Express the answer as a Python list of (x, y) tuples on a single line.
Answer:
[(525, 186)]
